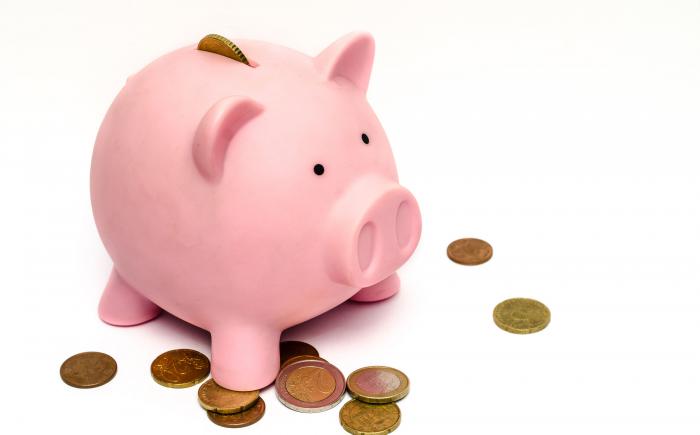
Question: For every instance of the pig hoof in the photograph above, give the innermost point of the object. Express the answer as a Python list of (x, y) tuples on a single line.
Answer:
[(379, 291), (245, 358), (121, 305)]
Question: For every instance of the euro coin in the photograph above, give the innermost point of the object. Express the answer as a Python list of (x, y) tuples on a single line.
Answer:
[(180, 368), (521, 316), (219, 45), (88, 369), (310, 386), (378, 384), (469, 252), (216, 398), (240, 419), (360, 418)]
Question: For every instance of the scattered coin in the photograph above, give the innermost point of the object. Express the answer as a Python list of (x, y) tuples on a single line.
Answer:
[(180, 368), (240, 419), (378, 384), (361, 418), (470, 252), (301, 358), (88, 369), (219, 45), (310, 386), (290, 349), (216, 398), (521, 315)]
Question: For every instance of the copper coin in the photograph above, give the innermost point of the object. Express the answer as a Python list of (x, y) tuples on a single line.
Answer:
[(310, 386), (289, 349), (216, 398), (180, 368), (470, 252), (360, 418), (521, 315), (301, 358), (240, 419), (378, 384), (88, 369)]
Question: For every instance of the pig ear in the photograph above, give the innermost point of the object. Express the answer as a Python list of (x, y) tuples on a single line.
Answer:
[(216, 130), (349, 57)]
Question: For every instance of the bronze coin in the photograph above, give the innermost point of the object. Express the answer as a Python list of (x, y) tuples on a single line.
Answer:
[(310, 386), (469, 252), (219, 45), (88, 369), (521, 315), (289, 349), (360, 418), (301, 358), (240, 419), (216, 398), (378, 384), (180, 368)]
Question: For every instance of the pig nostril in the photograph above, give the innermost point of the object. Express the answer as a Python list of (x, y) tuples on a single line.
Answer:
[(404, 224), (365, 246)]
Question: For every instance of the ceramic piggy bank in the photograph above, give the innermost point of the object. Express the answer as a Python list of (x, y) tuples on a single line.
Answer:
[(247, 198)]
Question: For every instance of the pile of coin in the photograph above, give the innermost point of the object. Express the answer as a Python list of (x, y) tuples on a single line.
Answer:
[(373, 409), (306, 382), (309, 383), (181, 368), (229, 408)]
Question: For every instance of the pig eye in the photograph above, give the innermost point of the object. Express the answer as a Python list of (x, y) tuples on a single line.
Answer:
[(319, 169), (365, 138)]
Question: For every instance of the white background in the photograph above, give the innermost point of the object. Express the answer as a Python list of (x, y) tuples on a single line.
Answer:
[(564, 133)]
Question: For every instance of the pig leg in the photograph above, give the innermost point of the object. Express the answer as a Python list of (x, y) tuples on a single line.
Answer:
[(245, 357), (121, 305), (382, 290)]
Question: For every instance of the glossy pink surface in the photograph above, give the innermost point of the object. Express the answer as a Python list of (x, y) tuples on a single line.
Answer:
[(205, 195)]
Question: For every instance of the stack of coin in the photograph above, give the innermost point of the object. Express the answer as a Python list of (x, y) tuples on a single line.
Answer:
[(373, 410), (181, 368), (229, 408), (306, 382)]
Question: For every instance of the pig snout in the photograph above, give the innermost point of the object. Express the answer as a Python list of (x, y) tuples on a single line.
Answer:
[(375, 227)]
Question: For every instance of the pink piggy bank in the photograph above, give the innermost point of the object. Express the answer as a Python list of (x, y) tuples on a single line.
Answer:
[(245, 199)]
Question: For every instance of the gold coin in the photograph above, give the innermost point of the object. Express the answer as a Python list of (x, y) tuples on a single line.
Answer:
[(240, 419), (469, 252), (290, 349), (219, 45), (378, 384), (180, 368), (294, 359), (360, 418), (88, 369), (216, 398), (521, 315)]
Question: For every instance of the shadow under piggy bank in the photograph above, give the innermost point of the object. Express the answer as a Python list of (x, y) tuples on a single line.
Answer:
[(347, 323)]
